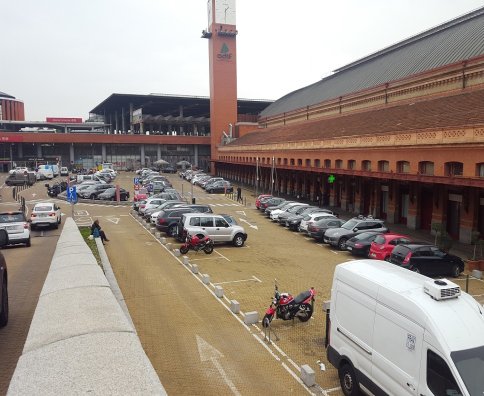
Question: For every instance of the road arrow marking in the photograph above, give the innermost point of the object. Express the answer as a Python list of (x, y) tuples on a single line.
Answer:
[(114, 220), (241, 212), (250, 225), (33, 195), (208, 353)]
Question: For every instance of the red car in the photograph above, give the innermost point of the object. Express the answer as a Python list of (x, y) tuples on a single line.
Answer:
[(381, 248), (257, 201)]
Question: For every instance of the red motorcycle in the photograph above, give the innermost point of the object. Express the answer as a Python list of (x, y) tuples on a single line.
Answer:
[(197, 242), (286, 307)]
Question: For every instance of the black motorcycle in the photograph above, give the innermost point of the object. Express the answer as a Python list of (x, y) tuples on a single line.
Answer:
[(54, 190)]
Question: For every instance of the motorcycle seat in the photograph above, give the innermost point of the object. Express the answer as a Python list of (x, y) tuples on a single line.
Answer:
[(302, 296)]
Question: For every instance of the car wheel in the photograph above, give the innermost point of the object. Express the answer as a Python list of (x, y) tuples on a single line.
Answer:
[(367, 252), (92, 196), (4, 307), (239, 240), (455, 272), (172, 230), (59, 221), (342, 244), (28, 244), (56, 225), (348, 381)]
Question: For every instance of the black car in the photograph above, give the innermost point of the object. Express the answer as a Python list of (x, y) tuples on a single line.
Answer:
[(319, 227), (110, 194), (167, 220), (426, 259), (295, 210), (93, 191), (169, 169), (360, 244), (270, 202)]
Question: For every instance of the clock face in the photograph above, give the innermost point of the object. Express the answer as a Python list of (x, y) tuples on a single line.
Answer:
[(225, 12)]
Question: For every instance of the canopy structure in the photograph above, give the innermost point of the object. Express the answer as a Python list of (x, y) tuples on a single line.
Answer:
[(161, 162)]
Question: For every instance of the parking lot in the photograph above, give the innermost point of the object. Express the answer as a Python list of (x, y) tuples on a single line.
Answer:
[(246, 274)]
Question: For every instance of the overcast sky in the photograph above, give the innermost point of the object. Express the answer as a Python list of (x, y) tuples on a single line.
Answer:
[(64, 57)]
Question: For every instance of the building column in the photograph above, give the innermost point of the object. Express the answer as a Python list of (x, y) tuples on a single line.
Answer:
[(20, 150), (195, 154), (123, 123), (103, 152), (71, 154), (131, 127), (158, 152), (469, 214), (116, 122), (142, 154), (39, 150)]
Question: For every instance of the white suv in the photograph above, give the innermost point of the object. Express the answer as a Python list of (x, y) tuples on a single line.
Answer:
[(17, 227), (215, 226), (45, 214)]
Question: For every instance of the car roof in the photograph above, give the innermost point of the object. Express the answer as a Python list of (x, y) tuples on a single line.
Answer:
[(43, 203)]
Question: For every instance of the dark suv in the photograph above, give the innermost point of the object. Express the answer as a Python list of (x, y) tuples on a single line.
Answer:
[(3, 282), (167, 220), (426, 259), (338, 236)]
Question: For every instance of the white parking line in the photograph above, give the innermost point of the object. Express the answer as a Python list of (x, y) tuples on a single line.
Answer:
[(207, 258), (221, 255), (253, 279), (332, 251)]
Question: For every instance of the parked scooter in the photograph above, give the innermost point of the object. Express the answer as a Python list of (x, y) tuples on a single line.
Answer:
[(197, 242), (286, 307)]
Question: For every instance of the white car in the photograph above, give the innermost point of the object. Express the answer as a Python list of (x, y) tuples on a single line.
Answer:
[(64, 171), (45, 214), (18, 169), (275, 213), (315, 216), (151, 203), (17, 227)]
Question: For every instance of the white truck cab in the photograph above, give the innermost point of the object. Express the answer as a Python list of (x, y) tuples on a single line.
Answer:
[(396, 332)]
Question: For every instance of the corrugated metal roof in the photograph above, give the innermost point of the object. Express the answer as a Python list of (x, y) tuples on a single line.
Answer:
[(451, 42)]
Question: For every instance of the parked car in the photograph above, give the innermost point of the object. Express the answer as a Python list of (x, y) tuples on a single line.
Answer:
[(274, 216), (150, 204), (313, 217), (45, 214), (220, 186), (18, 169), (21, 178), (169, 169), (426, 259), (3, 282), (338, 236), (64, 171), (110, 194), (270, 202), (93, 191), (167, 220), (17, 227), (317, 229), (215, 226), (382, 247), (294, 211), (166, 205), (359, 245), (283, 204), (259, 198)]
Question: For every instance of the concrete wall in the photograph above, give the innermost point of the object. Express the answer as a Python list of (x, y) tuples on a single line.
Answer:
[(80, 340)]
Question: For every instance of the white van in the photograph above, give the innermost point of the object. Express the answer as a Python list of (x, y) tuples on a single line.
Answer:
[(46, 171), (395, 332)]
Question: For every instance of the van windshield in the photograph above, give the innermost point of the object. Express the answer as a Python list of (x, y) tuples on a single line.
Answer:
[(470, 364)]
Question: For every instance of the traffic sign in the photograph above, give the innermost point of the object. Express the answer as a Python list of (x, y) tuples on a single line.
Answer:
[(72, 194), (136, 181)]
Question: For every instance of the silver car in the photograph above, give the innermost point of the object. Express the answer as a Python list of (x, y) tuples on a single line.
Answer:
[(17, 227)]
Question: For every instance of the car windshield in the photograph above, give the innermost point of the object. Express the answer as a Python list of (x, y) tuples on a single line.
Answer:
[(43, 208), (11, 217), (470, 364), (349, 225), (363, 236), (380, 240)]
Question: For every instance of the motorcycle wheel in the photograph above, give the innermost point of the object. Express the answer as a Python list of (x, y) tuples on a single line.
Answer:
[(184, 249), (208, 249), (308, 309), (266, 321)]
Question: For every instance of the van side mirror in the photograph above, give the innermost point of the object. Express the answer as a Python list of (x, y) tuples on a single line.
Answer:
[(3, 238)]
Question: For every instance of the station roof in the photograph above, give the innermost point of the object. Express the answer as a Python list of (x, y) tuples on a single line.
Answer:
[(457, 40), (4, 95), (169, 105)]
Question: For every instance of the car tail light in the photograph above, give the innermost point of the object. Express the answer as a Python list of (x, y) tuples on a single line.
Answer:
[(358, 245), (161, 221), (26, 226), (407, 258), (52, 214), (33, 215)]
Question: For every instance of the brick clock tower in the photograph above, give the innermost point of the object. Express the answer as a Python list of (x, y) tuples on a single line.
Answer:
[(221, 34)]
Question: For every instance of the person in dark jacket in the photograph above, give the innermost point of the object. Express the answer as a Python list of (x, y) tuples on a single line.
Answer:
[(239, 194), (96, 231)]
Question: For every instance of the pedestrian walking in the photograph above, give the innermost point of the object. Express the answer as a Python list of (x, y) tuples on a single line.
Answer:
[(97, 232), (239, 194)]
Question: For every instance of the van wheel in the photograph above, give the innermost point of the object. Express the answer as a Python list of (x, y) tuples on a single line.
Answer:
[(348, 381), (455, 272), (27, 244), (342, 244), (238, 240)]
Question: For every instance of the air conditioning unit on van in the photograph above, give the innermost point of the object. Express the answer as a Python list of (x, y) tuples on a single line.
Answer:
[(441, 289)]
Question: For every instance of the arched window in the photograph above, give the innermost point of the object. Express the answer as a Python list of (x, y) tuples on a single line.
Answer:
[(384, 166), (480, 169), (453, 169), (366, 165), (351, 164), (293, 162), (327, 163), (285, 161), (317, 163), (403, 167), (339, 163), (426, 168), (299, 162), (308, 163)]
